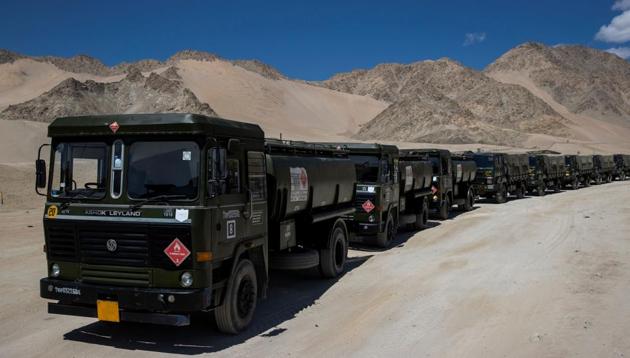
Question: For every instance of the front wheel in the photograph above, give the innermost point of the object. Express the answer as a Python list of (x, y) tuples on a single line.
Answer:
[(239, 304), (470, 201), (390, 233), (501, 196), (520, 192), (444, 209), (333, 256), (423, 216)]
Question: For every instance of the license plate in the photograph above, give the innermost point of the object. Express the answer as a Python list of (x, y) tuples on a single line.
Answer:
[(107, 311), (490, 187)]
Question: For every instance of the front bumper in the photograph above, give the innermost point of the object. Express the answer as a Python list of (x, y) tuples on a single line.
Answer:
[(146, 305)]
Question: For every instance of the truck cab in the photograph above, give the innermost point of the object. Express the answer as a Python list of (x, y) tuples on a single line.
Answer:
[(377, 191)]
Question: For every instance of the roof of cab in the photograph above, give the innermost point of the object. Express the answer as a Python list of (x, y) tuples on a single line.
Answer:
[(152, 124)]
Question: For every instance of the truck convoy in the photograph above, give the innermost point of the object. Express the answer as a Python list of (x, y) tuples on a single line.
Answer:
[(452, 182), (605, 168), (499, 174), (152, 217), (578, 170), (546, 171)]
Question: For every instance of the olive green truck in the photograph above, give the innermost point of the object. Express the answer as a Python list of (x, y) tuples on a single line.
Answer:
[(391, 192), (150, 218)]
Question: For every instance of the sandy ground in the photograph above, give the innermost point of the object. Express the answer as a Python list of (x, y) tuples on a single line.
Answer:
[(539, 277)]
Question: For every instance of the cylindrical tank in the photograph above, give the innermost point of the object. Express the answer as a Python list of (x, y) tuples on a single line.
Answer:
[(415, 175), (304, 182), (604, 162), (464, 171)]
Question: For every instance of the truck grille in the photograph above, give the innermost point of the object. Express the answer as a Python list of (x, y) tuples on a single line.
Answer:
[(360, 199), (119, 276), (138, 245)]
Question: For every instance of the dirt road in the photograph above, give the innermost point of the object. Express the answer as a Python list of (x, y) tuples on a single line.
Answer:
[(539, 277)]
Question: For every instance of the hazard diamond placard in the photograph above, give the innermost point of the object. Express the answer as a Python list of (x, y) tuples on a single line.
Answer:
[(177, 252), (367, 206)]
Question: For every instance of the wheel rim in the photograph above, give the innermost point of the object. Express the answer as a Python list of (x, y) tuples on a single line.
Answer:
[(246, 297)]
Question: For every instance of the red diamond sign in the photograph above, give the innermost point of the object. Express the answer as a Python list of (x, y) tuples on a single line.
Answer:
[(114, 127), (368, 206), (177, 252)]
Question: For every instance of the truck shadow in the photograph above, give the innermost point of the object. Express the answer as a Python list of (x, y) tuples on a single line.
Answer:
[(401, 238), (288, 294)]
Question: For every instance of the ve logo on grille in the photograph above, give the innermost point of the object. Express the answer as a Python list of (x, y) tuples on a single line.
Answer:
[(112, 245)]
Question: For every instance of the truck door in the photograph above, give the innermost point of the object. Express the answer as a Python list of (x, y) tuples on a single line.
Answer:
[(447, 173)]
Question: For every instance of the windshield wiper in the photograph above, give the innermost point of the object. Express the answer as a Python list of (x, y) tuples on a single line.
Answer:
[(157, 198)]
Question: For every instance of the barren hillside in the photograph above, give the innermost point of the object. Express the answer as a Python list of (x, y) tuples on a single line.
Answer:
[(445, 102)]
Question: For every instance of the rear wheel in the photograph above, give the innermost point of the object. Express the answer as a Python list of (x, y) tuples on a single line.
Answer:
[(575, 184), (540, 189), (501, 196), (239, 304), (469, 203), (520, 192), (333, 257), (423, 216)]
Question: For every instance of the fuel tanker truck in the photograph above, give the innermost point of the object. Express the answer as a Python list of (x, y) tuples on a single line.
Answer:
[(578, 170), (390, 193), (150, 218), (451, 182)]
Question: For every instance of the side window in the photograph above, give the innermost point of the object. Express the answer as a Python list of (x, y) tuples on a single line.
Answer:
[(445, 165), (256, 173), (395, 172), (233, 176)]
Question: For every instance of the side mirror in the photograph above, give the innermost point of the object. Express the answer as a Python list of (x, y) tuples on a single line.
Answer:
[(40, 171), (40, 174), (217, 171), (233, 145)]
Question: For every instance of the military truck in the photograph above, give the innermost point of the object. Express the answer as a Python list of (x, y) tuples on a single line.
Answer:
[(578, 170), (389, 193), (546, 171), (604, 168), (499, 174), (622, 166), (152, 217), (452, 181)]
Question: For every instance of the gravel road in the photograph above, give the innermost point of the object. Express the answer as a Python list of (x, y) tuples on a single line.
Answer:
[(538, 277)]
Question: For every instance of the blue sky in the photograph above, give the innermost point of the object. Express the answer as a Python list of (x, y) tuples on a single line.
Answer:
[(309, 40)]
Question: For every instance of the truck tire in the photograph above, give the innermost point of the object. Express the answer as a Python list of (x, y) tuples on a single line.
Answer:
[(423, 216), (390, 233), (609, 179), (332, 258), (540, 189), (520, 192), (297, 259), (445, 209), (469, 203), (587, 182), (575, 184), (501, 195), (239, 303)]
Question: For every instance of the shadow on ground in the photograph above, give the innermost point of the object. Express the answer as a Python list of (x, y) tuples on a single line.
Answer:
[(289, 293)]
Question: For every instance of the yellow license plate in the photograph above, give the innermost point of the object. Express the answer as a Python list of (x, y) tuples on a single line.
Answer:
[(107, 311)]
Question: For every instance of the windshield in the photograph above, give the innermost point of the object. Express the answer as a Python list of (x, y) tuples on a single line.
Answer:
[(79, 170), (484, 161), (163, 168), (366, 167)]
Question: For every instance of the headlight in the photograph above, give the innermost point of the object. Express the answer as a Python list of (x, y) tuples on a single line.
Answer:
[(54, 270), (371, 218), (186, 280)]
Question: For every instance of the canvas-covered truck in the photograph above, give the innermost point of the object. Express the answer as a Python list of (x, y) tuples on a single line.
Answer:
[(152, 217), (604, 168), (546, 171), (376, 217), (578, 170), (622, 166), (452, 181), (499, 174)]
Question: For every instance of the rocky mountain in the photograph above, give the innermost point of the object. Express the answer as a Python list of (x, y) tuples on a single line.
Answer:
[(444, 102), (133, 94), (584, 80)]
